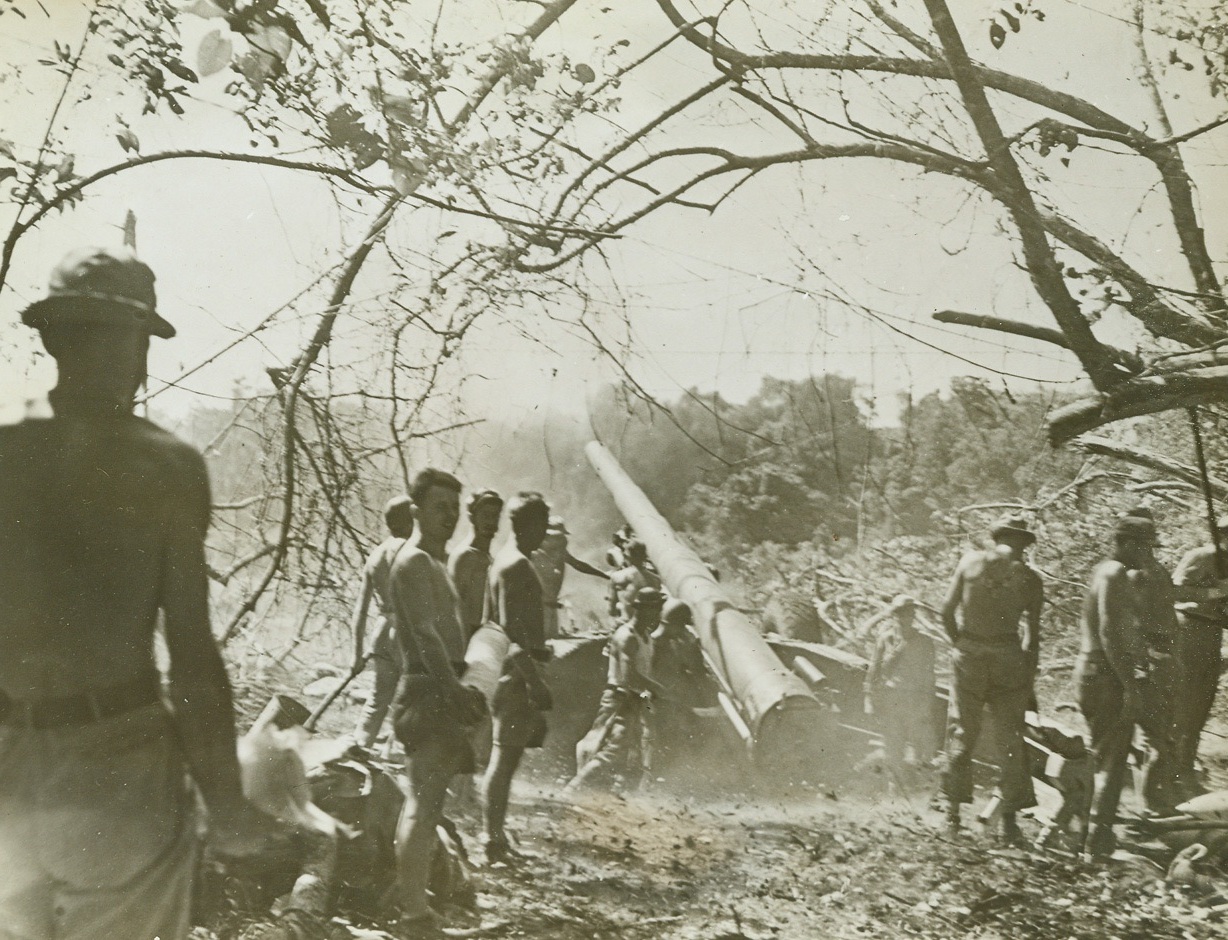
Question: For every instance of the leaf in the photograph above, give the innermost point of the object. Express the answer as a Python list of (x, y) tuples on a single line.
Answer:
[(407, 175), (205, 10), (271, 40), (402, 109), (128, 140), (63, 172), (997, 35), (6, 149), (1011, 20), (6, 172), (257, 67), (179, 70), (584, 73), (214, 53)]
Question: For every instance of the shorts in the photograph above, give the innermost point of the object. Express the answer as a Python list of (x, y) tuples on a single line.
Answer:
[(425, 713), (516, 721), (97, 830)]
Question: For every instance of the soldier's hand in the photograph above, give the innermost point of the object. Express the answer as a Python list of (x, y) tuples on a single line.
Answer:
[(472, 704), (541, 698), (243, 831)]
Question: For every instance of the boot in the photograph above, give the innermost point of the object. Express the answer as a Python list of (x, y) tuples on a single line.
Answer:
[(1010, 832)]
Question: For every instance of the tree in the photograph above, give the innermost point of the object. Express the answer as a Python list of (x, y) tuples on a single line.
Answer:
[(486, 171)]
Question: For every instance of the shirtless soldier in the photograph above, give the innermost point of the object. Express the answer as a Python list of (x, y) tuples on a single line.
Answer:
[(102, 527), (385, 652), (433, 713), (552, 560), (996, 593), (469, 566), (1203, 613), (1113, 675), (515, 603), (627, 581)]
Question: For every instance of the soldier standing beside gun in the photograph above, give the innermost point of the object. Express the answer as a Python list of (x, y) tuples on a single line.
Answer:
[(521, 697), (385, 651), (899, 686), (433, 713), (1202, 617), (996, 593), (1112, 673), (552, 560), (469, 566), (615, 743), (102, 535)]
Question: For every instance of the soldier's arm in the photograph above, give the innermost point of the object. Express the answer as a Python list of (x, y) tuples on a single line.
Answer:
[(1197, 579), (612, 595), (199, 687), (584, 567), (1031, 619), (358, 620), (522, 621), (876, 664), (1118, 632), (418, 610), (955, 594)]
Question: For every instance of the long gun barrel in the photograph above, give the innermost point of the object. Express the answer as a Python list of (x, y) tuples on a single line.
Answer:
[(784, 720)]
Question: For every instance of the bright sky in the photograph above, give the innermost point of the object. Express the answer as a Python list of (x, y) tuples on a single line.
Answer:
[(713, 302)]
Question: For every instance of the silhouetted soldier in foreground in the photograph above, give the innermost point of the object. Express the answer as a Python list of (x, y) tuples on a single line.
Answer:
[(385, 652), (102, 527), (521, 698), (1202, 618), (997, 642), (614, 746)]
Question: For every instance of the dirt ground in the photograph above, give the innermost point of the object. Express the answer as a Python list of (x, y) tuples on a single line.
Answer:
[(742, 862), (819, 866)]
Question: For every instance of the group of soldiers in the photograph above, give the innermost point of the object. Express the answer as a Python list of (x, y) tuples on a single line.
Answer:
[(1149, 659), (103, 518)]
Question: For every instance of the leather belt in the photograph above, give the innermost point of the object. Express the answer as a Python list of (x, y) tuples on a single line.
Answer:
[(417, 669), (68, 710)]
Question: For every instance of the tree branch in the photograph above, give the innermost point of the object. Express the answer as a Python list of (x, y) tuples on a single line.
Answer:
[(1143, 395), (1152, 461), (1127, 360)]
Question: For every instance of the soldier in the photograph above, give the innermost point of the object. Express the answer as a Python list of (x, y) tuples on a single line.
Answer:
[(1112, 674), (899, 685), (628, 580), (385, 651), (521, 698), (102, 528), (678, 667), (615, 743), (469, 566), (552, 560), (433, 713), (1202, 618), (994, 660)]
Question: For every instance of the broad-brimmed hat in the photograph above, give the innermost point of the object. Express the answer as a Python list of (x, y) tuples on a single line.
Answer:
[(648, 597), (479, 497), (1013, 527), (100, 285), (1135, 527)]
